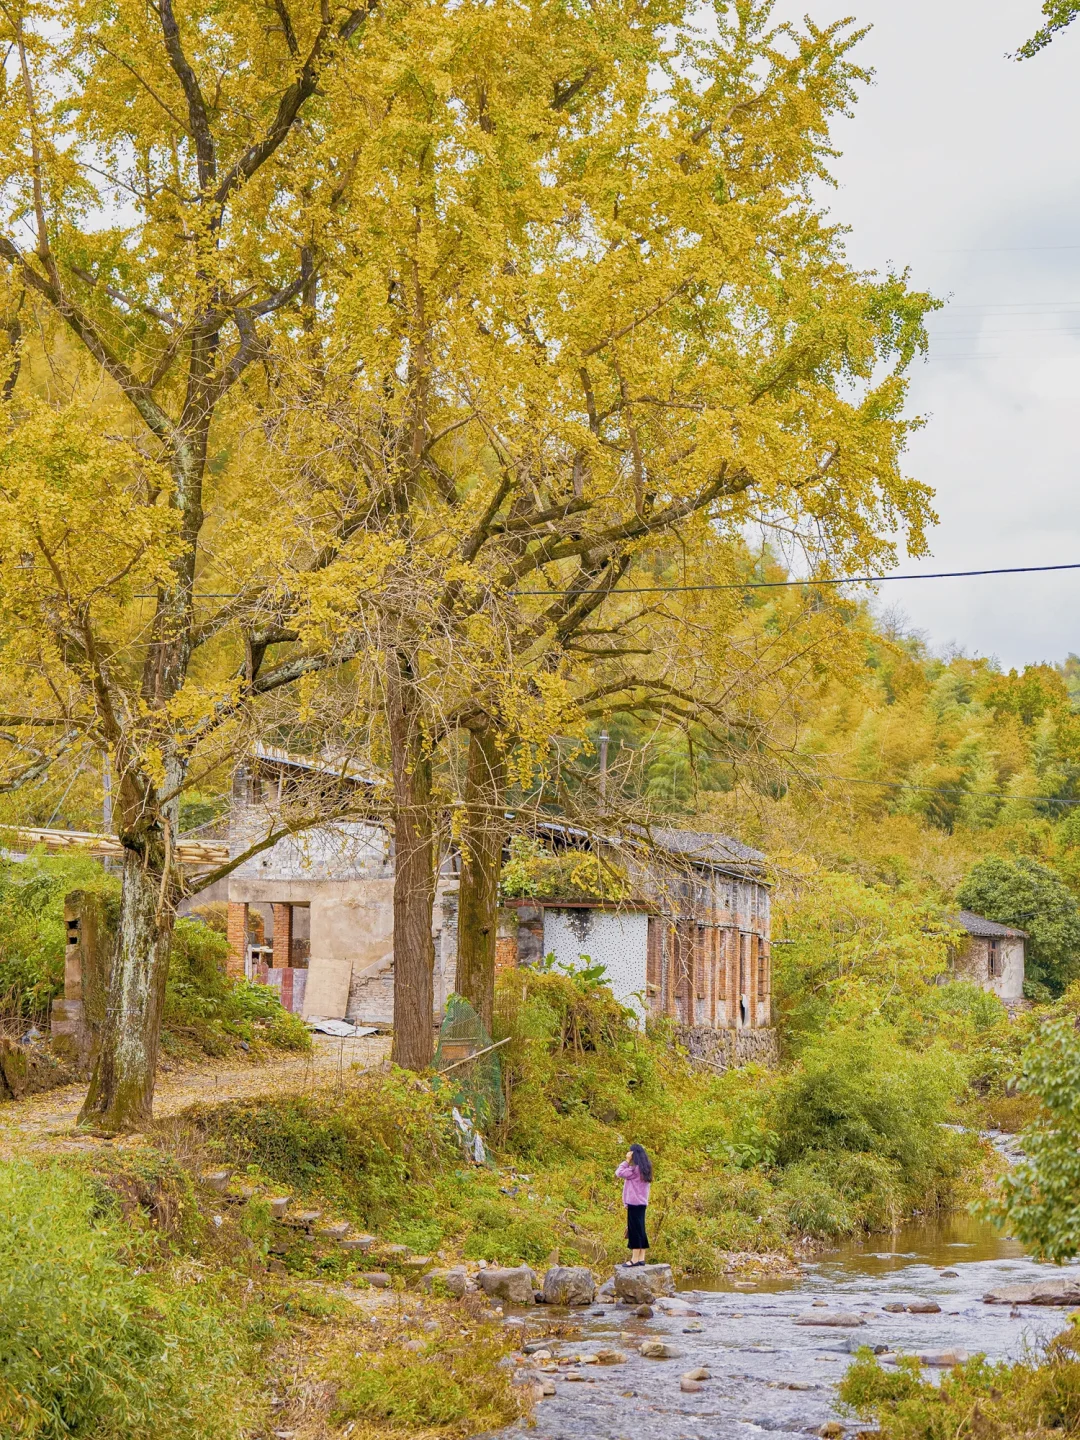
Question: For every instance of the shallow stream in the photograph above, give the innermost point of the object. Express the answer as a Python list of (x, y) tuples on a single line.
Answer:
[(769, 1374)]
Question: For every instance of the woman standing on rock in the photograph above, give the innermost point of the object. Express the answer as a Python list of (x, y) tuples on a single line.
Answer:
[(636, 1174)]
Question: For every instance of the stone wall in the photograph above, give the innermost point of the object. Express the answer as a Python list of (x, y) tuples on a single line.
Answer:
[(727, 1049)]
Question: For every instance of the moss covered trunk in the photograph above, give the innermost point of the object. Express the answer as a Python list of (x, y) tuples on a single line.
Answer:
[(414, 873), (121, 1094), (478, 895)]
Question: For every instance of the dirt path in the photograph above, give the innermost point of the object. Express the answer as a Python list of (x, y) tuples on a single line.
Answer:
[(45, 1122)]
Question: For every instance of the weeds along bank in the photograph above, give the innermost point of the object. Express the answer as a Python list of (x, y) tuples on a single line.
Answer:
[(134, 1303), (851, 1137), (131, 1308)]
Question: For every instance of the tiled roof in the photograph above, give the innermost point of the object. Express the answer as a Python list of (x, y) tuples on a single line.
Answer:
[(979, 925), (708, 848)]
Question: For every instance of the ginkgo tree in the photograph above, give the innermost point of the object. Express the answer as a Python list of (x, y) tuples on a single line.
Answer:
[(573, 327), (168, 185)]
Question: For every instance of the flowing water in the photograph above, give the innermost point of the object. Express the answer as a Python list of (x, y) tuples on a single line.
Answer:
[(769, 1374)]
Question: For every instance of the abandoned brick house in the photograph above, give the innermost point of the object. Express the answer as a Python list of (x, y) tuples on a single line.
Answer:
[(313, 916), (992, 956)]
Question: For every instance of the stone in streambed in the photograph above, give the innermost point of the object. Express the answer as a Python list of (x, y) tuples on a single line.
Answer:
[(515, 1286), (1045, 1292), (569, 1285), (895, 1308), (641, 1284), (690, 1387), (944, 1359), (672, 1305), (839, 1318), (659, 1350), (455, 1281), (924, 1307), (699, 1374), (610, 1357)]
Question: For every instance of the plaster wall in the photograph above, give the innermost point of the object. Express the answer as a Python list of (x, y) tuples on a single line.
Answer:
[(615, 939), (973, 963)]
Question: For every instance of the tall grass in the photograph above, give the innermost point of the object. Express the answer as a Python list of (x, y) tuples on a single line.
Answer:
[(92, 1347)]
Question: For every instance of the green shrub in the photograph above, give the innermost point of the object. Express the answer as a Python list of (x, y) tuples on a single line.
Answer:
[(216, 1012), (89, 1347), (32, 932), (1038, 1396), (862, 1090)]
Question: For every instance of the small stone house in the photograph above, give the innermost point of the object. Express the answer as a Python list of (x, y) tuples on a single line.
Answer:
[(992, 956), (313, 916), (693, 944)]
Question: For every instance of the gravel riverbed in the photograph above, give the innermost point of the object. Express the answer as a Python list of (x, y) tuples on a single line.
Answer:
[(770, 1364)]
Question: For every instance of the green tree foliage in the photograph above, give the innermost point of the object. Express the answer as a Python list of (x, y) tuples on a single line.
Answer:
[(1059, 14), (849, 950), (1039, 1198), (1025, 893)]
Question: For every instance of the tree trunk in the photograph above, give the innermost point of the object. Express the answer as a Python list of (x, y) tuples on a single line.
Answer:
[(414, 874), (478, 893), (121, 1094)]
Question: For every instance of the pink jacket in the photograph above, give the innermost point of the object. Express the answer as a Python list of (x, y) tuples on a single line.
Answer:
[(635, 1190)]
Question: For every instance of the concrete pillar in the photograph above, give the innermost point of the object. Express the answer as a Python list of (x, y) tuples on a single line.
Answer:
[(282, 936), (77, 1018), (237, 932)]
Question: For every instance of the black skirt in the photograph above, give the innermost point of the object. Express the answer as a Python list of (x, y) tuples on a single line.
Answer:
[(636, 1238)]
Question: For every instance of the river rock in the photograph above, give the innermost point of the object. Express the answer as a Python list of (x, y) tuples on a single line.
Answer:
[(699, 1374), (659, 1350), (643, 1283), (644, 1312), (895, 1308), (455, 1281), (1044, 1292), (924, 1307), (610, 1357), (672, 1305), (569, 1285), (515, 1286), (829, 1317), (944, 1359), (690, 1387)]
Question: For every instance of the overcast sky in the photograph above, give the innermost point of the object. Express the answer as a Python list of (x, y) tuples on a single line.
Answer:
[(965, 166)]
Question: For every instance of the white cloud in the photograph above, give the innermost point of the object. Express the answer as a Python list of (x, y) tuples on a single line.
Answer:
[(963, 164)]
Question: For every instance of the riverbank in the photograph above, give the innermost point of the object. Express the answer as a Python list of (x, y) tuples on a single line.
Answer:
[(773, 1357)]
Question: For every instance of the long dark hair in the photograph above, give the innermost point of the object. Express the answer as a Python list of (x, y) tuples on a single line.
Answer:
[(642, 1161)]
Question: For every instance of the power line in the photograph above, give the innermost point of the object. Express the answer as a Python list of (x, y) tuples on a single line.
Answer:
[(745, 584), (791, 584)]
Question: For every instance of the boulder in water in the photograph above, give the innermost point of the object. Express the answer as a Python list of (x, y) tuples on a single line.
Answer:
[(1043, 1292), (569, 1285), (515, 1286), (830, 1317), (641, 1284)]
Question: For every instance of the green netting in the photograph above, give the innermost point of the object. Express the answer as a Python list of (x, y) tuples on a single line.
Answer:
[(468, 1067)]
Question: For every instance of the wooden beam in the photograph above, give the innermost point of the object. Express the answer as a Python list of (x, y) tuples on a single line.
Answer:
[(191, 853)]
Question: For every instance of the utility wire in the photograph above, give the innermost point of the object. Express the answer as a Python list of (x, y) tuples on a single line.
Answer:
[(791, 584), (748, 584)]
